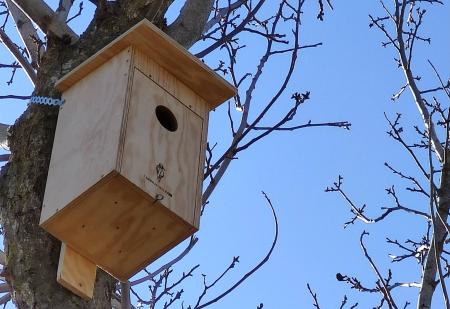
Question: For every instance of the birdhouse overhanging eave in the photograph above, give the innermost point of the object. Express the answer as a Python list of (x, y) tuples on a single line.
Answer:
[(165, 51)]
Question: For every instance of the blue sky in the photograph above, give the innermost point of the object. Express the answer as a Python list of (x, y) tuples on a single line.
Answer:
[(351, 77)]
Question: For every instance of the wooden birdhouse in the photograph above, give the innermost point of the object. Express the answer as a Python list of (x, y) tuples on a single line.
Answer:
[(125, 178)]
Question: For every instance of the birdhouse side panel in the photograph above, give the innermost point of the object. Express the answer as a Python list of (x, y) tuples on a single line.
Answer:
[(87, 136), (201, 169), (162, 147)]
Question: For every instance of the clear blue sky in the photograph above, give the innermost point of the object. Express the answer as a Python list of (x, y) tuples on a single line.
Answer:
[(351, 77)]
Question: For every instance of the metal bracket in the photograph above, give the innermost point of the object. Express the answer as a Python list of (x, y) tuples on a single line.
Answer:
[(46, 101)]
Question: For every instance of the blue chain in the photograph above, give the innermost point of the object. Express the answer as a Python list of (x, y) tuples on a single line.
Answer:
[(46, 101)]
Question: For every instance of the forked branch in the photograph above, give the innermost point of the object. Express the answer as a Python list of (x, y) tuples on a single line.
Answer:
[(21, 59), (26, 31), (40, 13)]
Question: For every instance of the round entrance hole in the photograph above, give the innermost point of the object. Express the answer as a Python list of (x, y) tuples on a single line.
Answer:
[(166, 118)]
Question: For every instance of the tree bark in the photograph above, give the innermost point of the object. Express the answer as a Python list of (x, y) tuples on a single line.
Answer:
[(39, 12), (429, 282), (31, 253), (3, 135)]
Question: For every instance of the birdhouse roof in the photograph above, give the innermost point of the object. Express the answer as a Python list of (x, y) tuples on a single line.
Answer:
[(166, 52)]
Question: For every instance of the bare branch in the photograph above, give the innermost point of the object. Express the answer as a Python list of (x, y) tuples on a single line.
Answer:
[(169, 264), (125, 301), (189, 25), (447, 86), (14, 50), (384, 288), (4, 158), (244, 127), (26, 31), (260, 264), (344, 302), (2, 258), (413, 85), (63, 9), (340, 124), (5, 299), (418, 187), (3, 142), (14, 97), (395, 133), (162, 282), (14, 65), (80, 10), (359, 212), (443, 86), (5, 288), (235, 31), (437, 248), (405, 285), (39, 12), (321, 14), (220, 13), (314, 296)]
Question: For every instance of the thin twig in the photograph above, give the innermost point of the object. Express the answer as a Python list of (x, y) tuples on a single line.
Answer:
[(314, 296)]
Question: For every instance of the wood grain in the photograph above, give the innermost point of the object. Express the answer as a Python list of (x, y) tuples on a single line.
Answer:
[(167, 53), (76, 273), (148, 144), (103, 196), (190, 99), (87, 134), (170, 83), (118, 226)]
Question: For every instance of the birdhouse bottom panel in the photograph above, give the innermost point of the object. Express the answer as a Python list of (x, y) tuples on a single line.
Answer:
[(118, 227)]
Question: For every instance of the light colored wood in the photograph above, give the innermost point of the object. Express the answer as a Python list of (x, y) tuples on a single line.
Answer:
[(189, 98), (201, 167), (167, 53), (103, 196), (118, 226), (170, 83), (87, 135), (76, 273), (148, 144)]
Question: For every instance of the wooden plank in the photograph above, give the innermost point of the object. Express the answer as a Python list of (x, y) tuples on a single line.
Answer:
[(149, 146), (76, 273), (87, 135), (190, 99), (170, 83), (200, 173), (119, 227), (166, 52)]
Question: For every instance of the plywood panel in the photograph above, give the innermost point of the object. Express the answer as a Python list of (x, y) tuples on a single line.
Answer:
[(116, 225), (170, 83), (76, 273), (87, 134), (166, 52), (201, 168), (161, 162)]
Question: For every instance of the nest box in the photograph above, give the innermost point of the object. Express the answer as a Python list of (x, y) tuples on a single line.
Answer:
[(125, 178)]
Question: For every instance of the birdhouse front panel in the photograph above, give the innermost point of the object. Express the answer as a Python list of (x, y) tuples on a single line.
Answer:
[(194, 107), (162, 148)]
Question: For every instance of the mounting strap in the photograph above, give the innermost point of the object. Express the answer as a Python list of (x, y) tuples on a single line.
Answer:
[(46, 101)]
